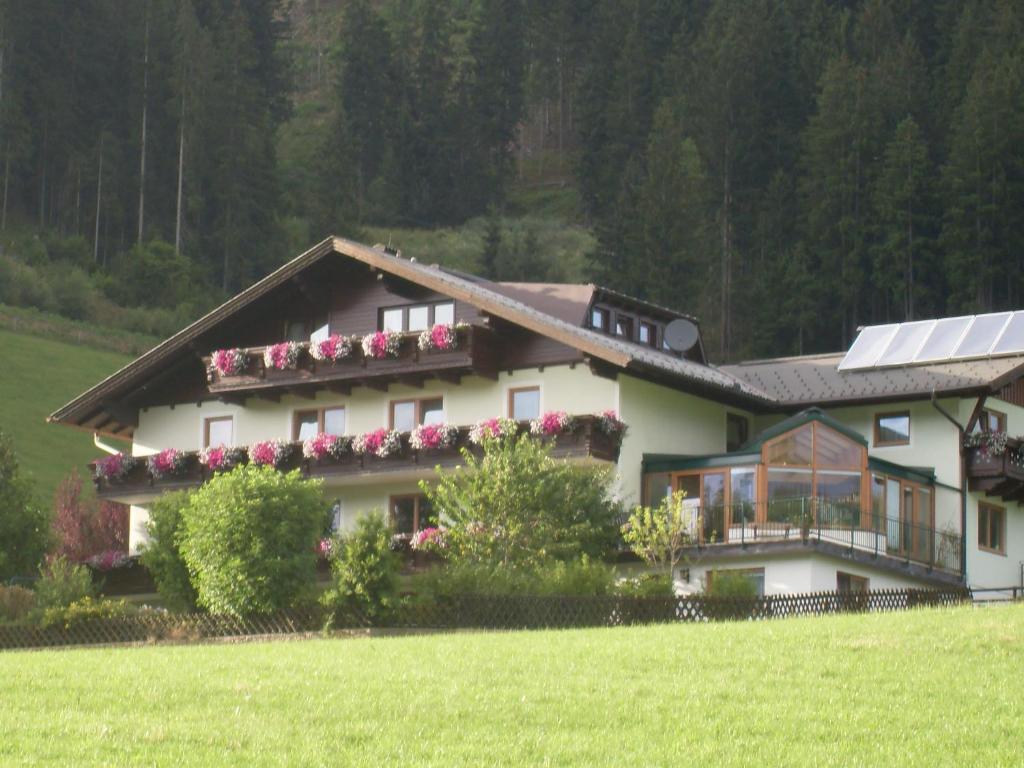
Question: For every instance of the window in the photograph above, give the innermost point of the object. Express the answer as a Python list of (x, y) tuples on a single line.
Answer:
[(406, 415), (624, 326), (991, 421), (410, 513), (524, 403), (416, 317), (309, 422), (847, 582), (754, 575), (303, 329), (296, 330), (648, 334), (336, 514), (737, 430), (218, 430), (892, 428), (992, 528), (599, 319)]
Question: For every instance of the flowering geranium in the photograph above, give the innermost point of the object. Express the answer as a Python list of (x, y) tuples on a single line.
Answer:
[(114, 466), (229, 362), (168, 462), (433, 436), (221, 458), (991, 443), (551, 423), (609, 423), (270, 453), (442, 337), (335, 347), (382, 344), (325, 548), (108, 560), (429, 540), (283, 356), (324, 445), (496, 428), (380, 443)]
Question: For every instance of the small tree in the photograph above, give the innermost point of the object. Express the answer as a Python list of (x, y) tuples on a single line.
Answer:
[(660, 535), (249, 539), (365, 570), (24, 525), (162, 553), (517, 505), (82, 527)]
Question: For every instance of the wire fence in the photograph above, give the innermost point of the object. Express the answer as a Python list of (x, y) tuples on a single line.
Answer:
[(480, 612)]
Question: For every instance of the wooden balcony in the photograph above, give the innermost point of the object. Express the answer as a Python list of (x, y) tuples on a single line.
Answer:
[(475, 354), (994, 468), (585, 442)]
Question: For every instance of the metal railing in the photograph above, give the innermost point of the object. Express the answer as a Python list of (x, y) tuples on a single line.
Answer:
[(821, 519)]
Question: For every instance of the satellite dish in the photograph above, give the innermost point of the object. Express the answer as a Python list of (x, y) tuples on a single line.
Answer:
[(681, 335)]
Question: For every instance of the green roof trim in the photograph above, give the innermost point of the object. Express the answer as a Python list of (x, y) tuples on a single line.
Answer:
[(916, 474), (799, 420), (667, 462)]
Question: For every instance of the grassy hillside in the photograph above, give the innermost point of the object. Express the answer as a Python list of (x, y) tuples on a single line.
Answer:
[(924, 688), (40, 375)]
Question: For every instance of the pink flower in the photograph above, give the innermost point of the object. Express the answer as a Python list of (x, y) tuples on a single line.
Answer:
[(168, 462), (428, 539), (229, 362), (432, 436), (380, 443), (324, 445), (551, 423), (332, 349), (488, 428), (269, 453), (114, 467), (382, 344), (281, 356), (609, 423), (219, 458), (324, 548)]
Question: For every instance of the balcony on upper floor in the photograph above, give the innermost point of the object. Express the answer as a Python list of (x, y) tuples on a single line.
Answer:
[(995, 465), (135, 481), (472, 351)]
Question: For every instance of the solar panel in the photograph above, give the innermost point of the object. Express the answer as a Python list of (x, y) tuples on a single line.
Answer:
[(934, 341)]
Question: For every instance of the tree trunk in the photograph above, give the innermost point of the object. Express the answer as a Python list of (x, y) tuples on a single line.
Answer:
[(142, 152), (99, 198)]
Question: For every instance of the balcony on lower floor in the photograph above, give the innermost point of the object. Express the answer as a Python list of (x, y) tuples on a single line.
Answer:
[(838, 527), (473, 353), (584, 441), (995, 465)]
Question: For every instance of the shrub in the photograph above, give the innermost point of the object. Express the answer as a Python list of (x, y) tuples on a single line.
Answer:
[(24, 525), (84, 528), (730, 584), (660, 535), (249, 540), (16, 603), (365, 570), (61, 584), (516, 504), (85, 610), (555, 578), (162, 553), (646, 585)]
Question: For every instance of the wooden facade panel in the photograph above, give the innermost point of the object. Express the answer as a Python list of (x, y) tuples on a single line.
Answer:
[(1013, 393)]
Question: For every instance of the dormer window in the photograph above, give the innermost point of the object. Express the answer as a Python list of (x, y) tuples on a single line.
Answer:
[(416, 317), (624, 327), (648, 334), (599, 319)]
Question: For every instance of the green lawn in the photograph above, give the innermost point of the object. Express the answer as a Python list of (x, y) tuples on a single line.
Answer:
[(928, 688), (40, 375)]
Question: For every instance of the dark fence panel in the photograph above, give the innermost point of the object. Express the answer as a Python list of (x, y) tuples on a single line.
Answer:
[(474, 612)]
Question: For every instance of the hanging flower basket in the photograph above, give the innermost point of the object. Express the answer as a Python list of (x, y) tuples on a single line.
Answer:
[(283, 356), (380, 443), (443, 337), (433, 437), (990, 443), (429, 540), (609, 423), (552, 423), (221, 458), (332, 349), (270, 453), (325, 446), (382, 344), (114, 467), (229, 362), (170, 462), (492, 428)]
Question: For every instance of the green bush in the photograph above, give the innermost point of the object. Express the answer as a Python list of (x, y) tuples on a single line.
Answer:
[(730, 584), (556, 578), (249, 540), (24, 524), (162, 553), (365, 570), (61, 584), (646, 585), (85, 610), (16, 603), (517, 505)]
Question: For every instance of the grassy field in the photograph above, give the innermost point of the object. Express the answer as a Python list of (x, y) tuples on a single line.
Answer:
[(927, 688), (40, 375)]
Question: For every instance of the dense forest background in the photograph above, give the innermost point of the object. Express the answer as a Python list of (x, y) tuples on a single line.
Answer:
[(784, 169)]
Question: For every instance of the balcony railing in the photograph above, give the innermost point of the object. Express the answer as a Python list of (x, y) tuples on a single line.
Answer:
[(586, 440), (995, 464), (474, 353), (807, 519)]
